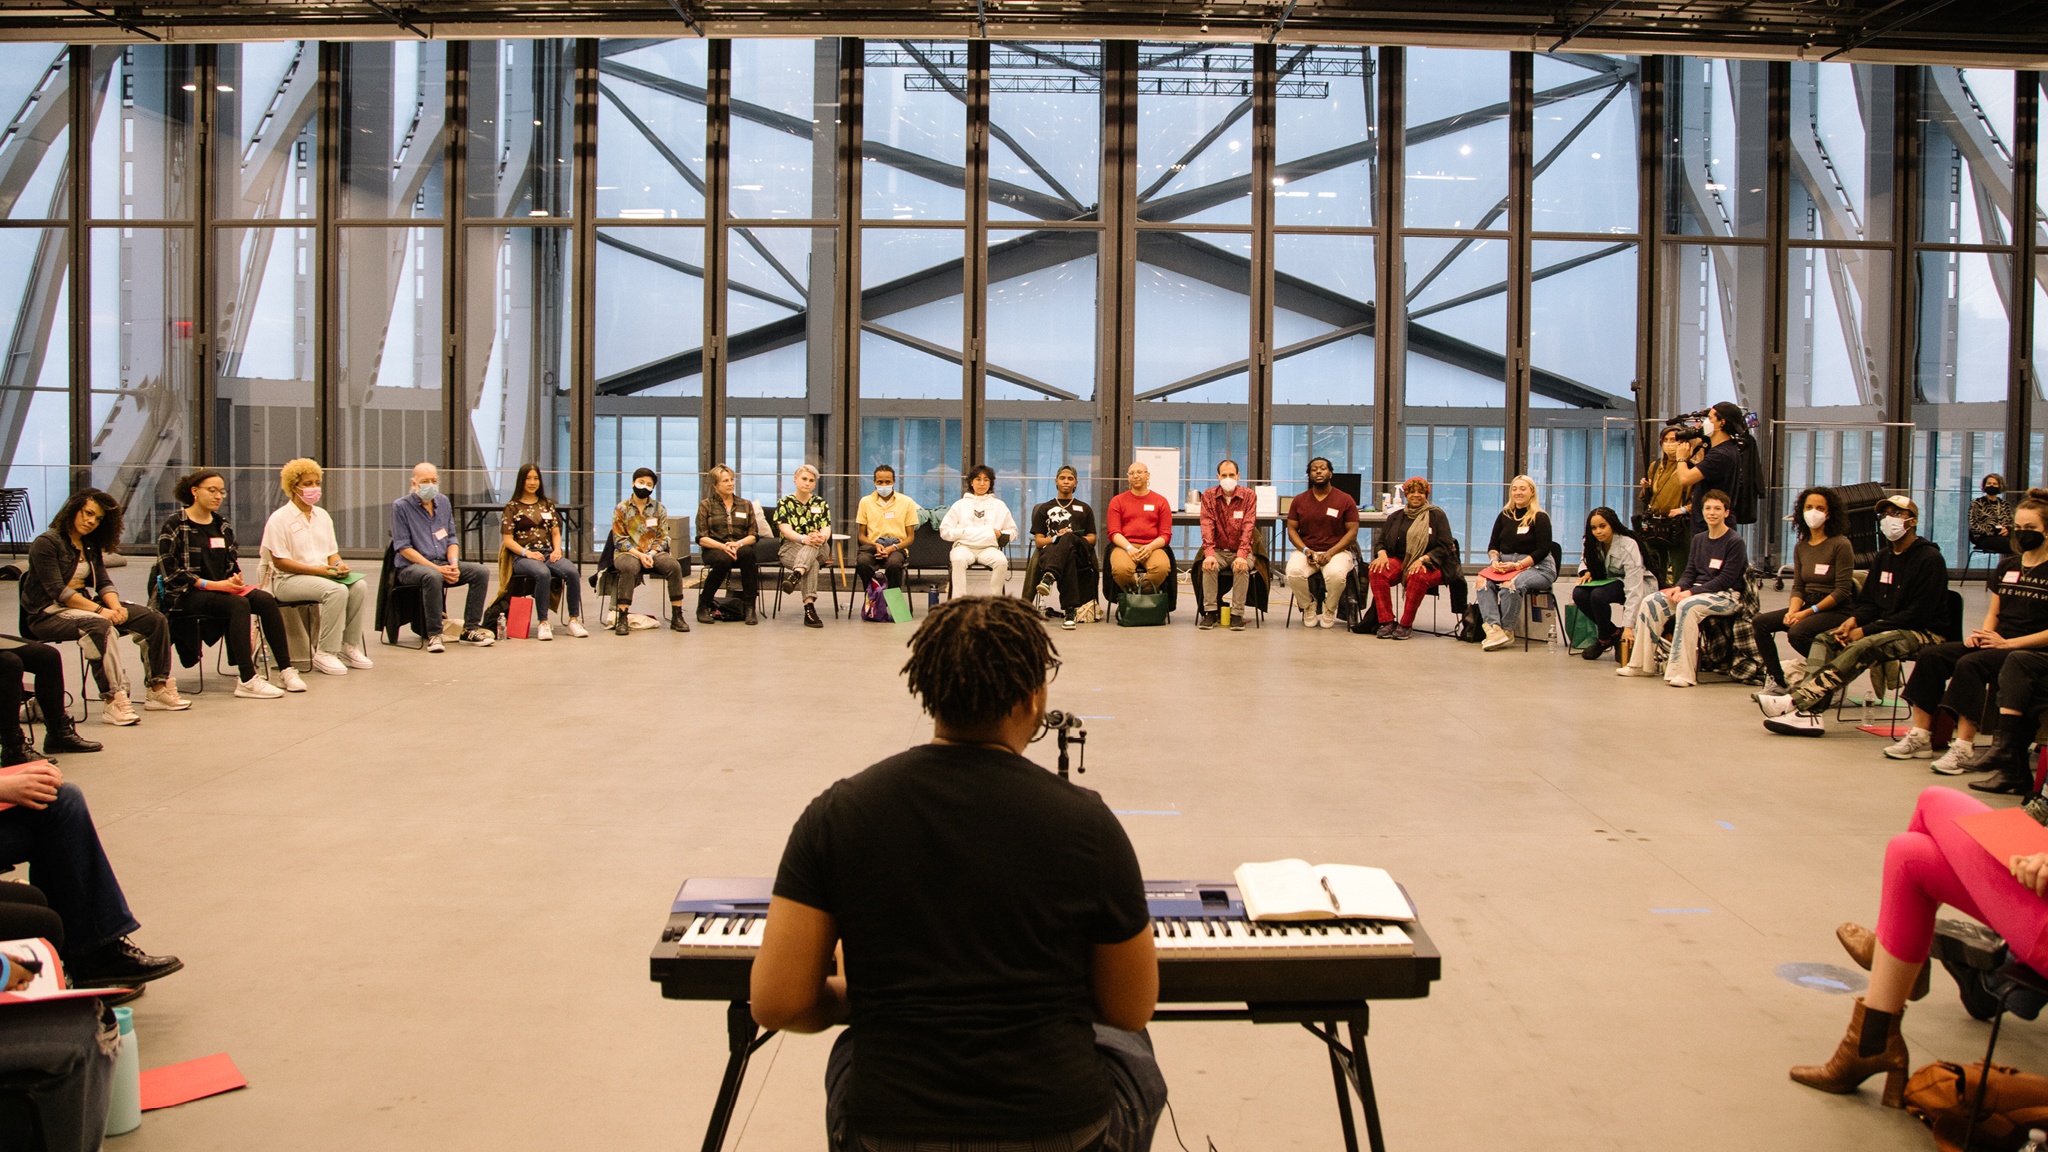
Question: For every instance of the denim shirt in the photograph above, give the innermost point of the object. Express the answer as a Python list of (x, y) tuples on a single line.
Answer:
[(429, 535)]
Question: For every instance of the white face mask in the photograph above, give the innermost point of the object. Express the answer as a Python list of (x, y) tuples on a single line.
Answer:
[(1815, 517), (1227, 483), (1892, 527), (885, 490)]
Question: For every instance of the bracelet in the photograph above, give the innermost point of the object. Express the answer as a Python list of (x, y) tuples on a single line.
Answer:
[(6, 971)]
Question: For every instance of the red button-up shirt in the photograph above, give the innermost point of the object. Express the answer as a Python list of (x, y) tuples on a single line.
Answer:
[(1228, 520)]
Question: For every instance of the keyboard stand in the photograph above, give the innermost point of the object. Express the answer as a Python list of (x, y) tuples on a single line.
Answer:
[(743, 1038), (1350, 1069)]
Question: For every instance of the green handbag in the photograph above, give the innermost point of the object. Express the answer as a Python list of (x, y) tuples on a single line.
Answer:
[(1579, 629), (1141, 609)]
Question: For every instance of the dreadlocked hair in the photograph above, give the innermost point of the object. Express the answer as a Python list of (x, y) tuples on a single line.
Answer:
[(976, 657)]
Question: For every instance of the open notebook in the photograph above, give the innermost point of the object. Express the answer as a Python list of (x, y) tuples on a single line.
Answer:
[(1298, 890)]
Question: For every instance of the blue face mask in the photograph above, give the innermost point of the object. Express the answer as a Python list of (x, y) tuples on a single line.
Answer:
[(428, 492)]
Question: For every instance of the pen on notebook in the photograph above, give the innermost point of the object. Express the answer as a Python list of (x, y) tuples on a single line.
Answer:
[(1335, 904)]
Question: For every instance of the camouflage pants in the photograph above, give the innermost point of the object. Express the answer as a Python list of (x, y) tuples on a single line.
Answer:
[(1838, 663)]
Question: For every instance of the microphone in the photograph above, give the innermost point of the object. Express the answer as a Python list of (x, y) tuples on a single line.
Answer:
[(1055, 720)]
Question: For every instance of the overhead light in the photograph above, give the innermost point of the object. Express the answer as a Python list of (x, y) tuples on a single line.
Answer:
[(536, 123), (538, 212), (190, 87), (223, 88)]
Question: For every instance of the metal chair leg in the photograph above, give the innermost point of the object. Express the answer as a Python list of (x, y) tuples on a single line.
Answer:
[(1984, 1074)]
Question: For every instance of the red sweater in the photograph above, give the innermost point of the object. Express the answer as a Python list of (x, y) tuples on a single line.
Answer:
[(1139, 519)]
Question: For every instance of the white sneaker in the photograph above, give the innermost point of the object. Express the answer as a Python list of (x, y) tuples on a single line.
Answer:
[(116, 710), (544, 632), (1330, 620), (1952, 761), (1797, 724), (164, 698), (1312, 619), (1632, 670), (257, 688), (576, 627), (1676, 682), (354, 658), (1917, 744), (1779, 705), (292, 681), (434, 643), (327, 663)]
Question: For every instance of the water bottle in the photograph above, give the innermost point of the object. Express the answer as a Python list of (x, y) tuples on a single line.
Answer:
[(124, 1101)]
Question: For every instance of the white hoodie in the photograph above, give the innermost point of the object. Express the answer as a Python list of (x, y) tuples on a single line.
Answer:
[(976, 521)]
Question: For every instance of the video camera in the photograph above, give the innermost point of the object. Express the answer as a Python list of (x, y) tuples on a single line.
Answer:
[(1686, 425)]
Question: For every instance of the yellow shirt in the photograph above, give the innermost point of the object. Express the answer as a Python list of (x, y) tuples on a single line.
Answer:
[(892, 519)]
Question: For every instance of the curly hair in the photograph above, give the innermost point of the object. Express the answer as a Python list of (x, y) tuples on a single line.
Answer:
[(108, 534), (186, 483), (977, 657), (295, 473), (1836, 524)]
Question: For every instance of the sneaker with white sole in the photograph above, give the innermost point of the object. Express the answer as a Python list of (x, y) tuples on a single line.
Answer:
[(544, 632), (1676, 682), (164, 698), (1917, 744), (290, 680), (1500, 639), (116, 710), (354, 658), (328, 663), (478, 637), (1797, 724), (576, 627), (1779, 704), (257, 688), (1632, 670), (434, 643), (1955, 761)]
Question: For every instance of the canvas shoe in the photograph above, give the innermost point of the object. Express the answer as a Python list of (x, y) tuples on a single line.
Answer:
[(1779, 704), (434, 643), (326, 662), (543, 632), (290, 680), (354, 658), (478, 637), (257, 688), (576, 627), (1917, 744), (1797, 724), (1632, 670)]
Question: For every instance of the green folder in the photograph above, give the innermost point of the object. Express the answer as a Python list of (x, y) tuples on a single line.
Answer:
[(345, 581), (1597, 583), (899, 605)]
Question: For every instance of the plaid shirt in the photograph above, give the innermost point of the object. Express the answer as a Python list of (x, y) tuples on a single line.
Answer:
[(1229, 520), (714, 522), (1728, 643)]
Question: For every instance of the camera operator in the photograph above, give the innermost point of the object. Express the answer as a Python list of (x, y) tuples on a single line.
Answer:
[(1716, 458), (1664, 527)]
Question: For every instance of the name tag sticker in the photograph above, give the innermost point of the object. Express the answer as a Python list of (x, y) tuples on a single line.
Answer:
[(546, 516), (2011, 577), (1237, 515), (1821, 569), (1148, 507), (1713, 563), (651, 523), (1522, 531), (215, 542), (440, 533), (1332, 514), (1884, 577)]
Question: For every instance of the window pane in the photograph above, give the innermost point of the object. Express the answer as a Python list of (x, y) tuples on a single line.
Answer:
[(1327, 132), (1323, 333), (1842, 151), (521, 127), (1717, 117), (785, 116), (1966, 155), (1838, 326), (650, 129), (393, 115), (1041, 393), (1045, 130), (911, 318), (914, 139), (1194, 318), (1587, 109), (779, 305), (516, 387), (266, 109), (1965, 328), (264, 345), (143, 368), (649, 312), (389, 355), (1457, 323), (1457, 138), (1194, 133), (35, 131), (2038, 455), (35, 365), (1582, 357), (144, 132), (1713, 331)]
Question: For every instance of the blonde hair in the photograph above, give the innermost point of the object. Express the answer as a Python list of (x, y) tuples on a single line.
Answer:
[(295, 473), (713, 473), (803, 468), (1528, 515)]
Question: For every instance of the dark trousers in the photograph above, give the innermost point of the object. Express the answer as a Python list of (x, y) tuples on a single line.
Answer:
[(1137, 1085), (61, 1053), (236, 611), (717, 564), (25, 914), (1955, 678), (1596, 602), (1066, 560), (66, 861), (2023, 681), (1802, 634), (893, 566), (434, 593), (20, 658), (95, 635)]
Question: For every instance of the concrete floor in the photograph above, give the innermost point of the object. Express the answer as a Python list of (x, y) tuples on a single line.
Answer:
[(415, 905)]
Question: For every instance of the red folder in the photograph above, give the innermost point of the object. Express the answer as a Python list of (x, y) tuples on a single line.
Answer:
[(176, 1084), (519, 617), (2005, 833)]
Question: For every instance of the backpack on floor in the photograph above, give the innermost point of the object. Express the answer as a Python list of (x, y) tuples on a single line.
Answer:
[(1471, 625), (1940, 1096), (729, 609), (876, 609)]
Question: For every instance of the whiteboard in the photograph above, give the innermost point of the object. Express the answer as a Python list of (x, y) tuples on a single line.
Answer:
[(1165, 466)]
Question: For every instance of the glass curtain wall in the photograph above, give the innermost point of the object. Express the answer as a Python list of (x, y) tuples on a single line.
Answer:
[(36, 171)]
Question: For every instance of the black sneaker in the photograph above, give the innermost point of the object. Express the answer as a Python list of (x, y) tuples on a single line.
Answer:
[(1206, 621), (478, 637), (704, 613), (791, 580), (1402, 632), (119, 965), (1046, 584), (1237, 621), (1386, 632), (811, 617), (1068, 622)]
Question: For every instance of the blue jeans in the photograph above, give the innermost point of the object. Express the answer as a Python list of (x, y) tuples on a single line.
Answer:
[(66, 861), (434, 592), (543, 573), (1501, 604)]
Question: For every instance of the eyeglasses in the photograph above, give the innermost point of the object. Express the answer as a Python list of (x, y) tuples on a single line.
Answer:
[(1052, 668), (212, 489)]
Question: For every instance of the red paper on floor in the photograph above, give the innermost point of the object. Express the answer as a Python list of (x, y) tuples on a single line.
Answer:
[(2005, 833), (175, 1084)]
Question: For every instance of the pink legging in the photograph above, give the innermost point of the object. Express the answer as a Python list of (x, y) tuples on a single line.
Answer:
[(1932, 863)]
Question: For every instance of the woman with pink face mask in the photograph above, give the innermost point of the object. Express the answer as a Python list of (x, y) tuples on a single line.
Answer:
[(302, 564)]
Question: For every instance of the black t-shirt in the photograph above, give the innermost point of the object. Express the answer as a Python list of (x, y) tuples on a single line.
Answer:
[(213, 558), (969, 886), (2022, 597), (1717, 474), (1048, 518)]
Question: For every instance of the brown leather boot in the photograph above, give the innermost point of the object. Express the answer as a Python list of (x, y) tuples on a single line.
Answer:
[(1861, 944), (1873, 1044)]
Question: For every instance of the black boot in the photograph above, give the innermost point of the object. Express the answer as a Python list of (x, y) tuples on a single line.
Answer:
[(60, 735), (752, 616), (2007, 756), (705, 614), (676, 623), (14, 746)]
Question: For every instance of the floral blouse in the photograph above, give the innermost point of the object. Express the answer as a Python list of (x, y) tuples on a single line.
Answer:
[(532, 526)]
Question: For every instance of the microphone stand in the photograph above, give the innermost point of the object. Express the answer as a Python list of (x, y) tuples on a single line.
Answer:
[(1076, 736)]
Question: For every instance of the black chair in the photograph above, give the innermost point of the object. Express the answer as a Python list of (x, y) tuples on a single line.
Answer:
[(928, 563), (604, 581), (768, 559), (84, 676), (1355, 584), (1548, 594), (398, 606), (192, 632), (1110, 589)]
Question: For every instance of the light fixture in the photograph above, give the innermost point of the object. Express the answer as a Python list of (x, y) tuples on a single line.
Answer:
[(538, 212), (190, 87), (223, 88)]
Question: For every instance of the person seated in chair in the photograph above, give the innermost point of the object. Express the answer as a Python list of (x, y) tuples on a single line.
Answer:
[(1823, 584), (1991, 518), (429, 549), (885, 521), (45, 665), (640, 543), (1004, 1008), (1611, 572), (533, 539), (305, 567), (726, 524), (66, 594), (200, 573), (1413, 551), (979, 526), (1900, 610), (1064, 530), (1322, 524), (1230, 525), (1711, 585), (805, 521), (49, 828), (1519, 547), (1140, 525)]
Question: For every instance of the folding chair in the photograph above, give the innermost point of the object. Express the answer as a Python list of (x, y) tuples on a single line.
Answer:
[(191, 633), (398, 606), (84, 674), (1549, 598)]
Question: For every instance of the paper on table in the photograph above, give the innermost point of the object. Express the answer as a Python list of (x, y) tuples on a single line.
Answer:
[(2005, 833), (175, 1084)]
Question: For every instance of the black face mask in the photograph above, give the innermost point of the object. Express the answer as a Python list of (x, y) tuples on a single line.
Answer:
[(1992, 489), (642, 491), (2028, 539)]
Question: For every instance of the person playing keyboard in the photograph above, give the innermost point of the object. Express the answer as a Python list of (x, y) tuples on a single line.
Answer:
[(996, 962)]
